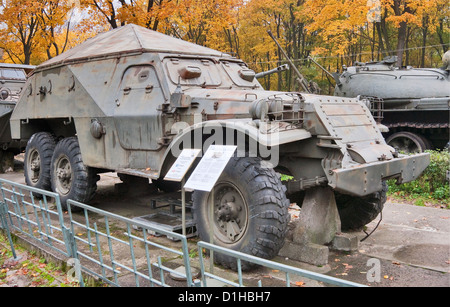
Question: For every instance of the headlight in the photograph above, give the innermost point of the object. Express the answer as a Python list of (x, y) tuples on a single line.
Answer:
[(4, 94)]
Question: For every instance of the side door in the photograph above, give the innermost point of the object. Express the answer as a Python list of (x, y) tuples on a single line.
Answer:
[(138, 116)]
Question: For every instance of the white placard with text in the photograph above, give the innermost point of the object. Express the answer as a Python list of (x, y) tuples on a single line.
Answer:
[(182, 165), (210, 168)]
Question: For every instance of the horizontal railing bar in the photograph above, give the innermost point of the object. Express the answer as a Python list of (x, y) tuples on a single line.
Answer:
[(28, 188), (166, 269), (126, 220), (85, 241), (130, 270), (122, 241), (229, 282), (279, 266), (87, 228), (156, 245)]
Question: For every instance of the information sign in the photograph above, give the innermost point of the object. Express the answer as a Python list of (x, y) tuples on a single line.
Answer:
[(210, 168)]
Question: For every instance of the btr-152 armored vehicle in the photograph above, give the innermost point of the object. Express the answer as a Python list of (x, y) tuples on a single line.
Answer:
[(131, 99), (415, 101), (12, 81)]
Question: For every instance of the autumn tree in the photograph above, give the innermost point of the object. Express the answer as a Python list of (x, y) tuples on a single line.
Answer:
[(205, 22), (106, 9), (147, 13), (335, 32), (411, 22), (34, 31), (54, 22), (349, 33), (20, 25), (433, 22), (257, 47)]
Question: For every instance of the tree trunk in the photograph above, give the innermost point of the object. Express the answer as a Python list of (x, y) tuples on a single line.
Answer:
[(402, 30), (441, 34), (380, 40), (384, 31), (401, 43)]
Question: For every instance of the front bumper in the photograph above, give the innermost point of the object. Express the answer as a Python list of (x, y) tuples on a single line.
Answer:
[(365, 179)]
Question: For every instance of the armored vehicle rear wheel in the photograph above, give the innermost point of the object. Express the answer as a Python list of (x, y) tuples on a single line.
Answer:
[(356, 212), (71, 179), (38, 157), (250, 211)]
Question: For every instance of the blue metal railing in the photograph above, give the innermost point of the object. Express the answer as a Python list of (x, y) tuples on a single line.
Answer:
[(97, 241), (288, 270), (117, 250), (35, 213)]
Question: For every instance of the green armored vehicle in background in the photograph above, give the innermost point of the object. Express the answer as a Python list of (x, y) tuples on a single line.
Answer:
[(416, 101), (131, 99), (12, 81)]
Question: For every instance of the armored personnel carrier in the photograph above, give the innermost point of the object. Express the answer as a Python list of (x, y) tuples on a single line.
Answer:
[(131, 99), (12, 81), (416, 101)]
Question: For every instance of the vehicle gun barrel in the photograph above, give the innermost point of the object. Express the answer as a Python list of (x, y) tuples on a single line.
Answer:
[(272, 71)]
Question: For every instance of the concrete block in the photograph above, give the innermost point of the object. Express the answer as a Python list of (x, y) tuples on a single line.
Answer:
[(345, 242), (311, 253), (316, 228), (319, 219)]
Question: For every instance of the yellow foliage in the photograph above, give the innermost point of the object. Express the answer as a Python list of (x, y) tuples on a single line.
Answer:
[(33, 31)]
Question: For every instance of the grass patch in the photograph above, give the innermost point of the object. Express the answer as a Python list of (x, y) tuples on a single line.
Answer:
[(431, 188), (36, 270)]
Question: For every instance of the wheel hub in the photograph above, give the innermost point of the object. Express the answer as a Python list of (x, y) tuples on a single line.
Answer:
[(229, 210), (34, 163), (64, 176), (35, 166), (230, 214)]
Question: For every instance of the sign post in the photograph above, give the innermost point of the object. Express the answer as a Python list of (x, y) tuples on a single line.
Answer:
[(204, 178), (178, 172)]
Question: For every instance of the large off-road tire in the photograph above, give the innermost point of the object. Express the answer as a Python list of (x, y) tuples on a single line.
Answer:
[(6, 160), (37, 161), (71, 179), (356, 212), (250, 212)]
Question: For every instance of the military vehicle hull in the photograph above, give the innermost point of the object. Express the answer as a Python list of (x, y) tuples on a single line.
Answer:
[(6, 109), (416, 102), (131, 99), (12, 80)]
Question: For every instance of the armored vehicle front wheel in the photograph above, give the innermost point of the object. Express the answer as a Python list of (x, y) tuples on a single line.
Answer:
[(356, 212), (38, 157), (70, 178), (247, 211)]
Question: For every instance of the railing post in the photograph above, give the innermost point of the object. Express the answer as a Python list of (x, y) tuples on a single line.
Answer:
[(71, 245), (69, 240), (4, 222)]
